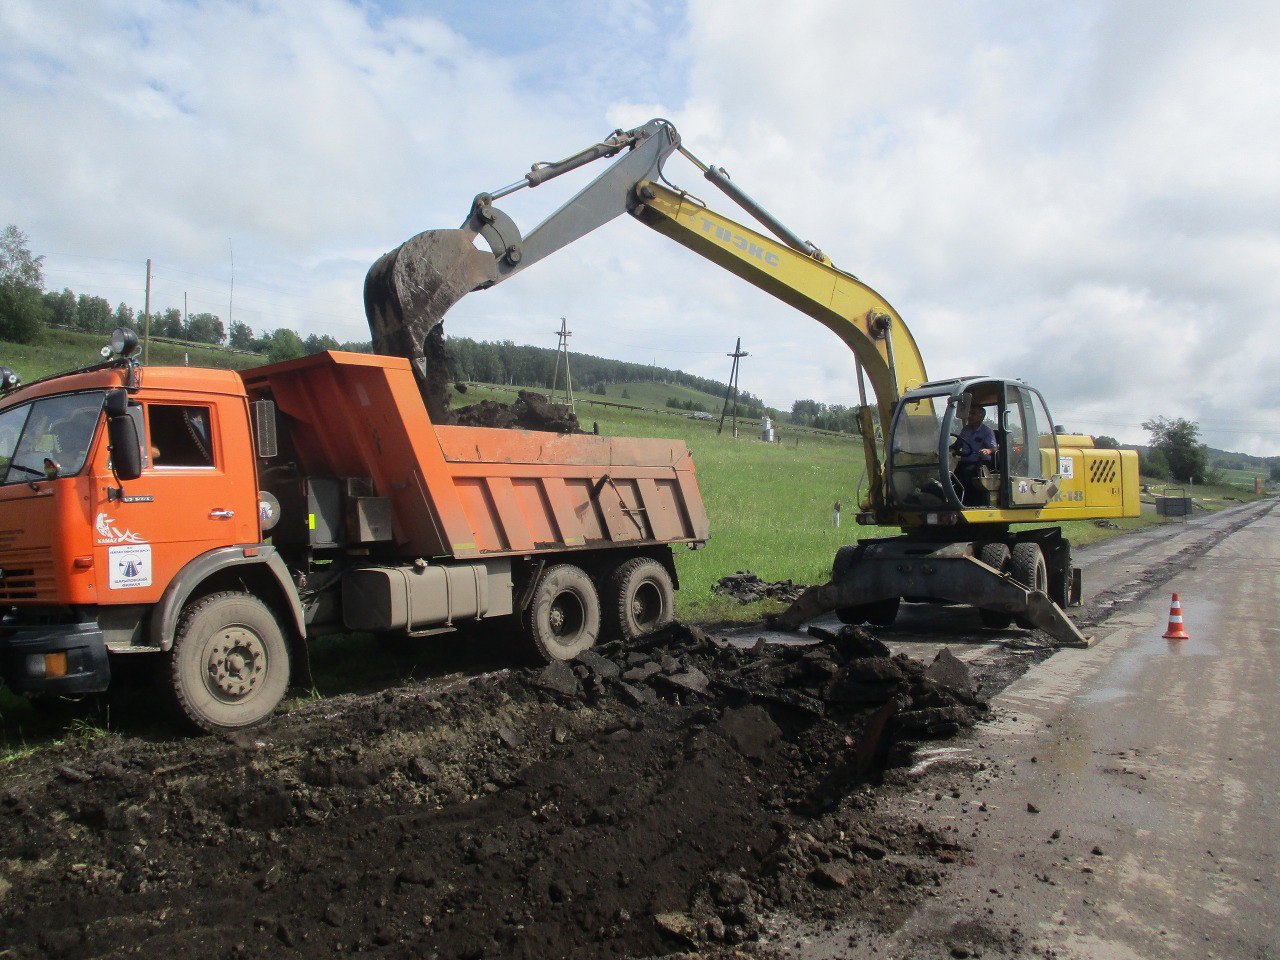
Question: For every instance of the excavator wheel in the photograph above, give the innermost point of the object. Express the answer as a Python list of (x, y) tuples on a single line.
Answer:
[(563, 618), (996, 556), (879, 613), (1027, 566)]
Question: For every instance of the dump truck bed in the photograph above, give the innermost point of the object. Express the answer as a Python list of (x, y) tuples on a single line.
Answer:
[(471, 491)]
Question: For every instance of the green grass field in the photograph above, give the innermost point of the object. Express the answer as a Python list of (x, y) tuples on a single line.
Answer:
[(59, 350), (646, 394)]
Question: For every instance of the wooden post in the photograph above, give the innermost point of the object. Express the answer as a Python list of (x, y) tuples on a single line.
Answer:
[(146, 316)]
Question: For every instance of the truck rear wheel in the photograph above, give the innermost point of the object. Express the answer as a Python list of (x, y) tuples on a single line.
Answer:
[(1027, 566), (563, 618), (229, 666), (640, 599)]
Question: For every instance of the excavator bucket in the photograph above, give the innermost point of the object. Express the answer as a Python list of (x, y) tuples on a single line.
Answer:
[(408, 292)]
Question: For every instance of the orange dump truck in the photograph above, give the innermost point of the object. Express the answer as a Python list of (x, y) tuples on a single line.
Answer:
[(220, 519)]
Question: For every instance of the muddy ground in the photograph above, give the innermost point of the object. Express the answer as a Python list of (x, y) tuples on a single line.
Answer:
[(645, 802)]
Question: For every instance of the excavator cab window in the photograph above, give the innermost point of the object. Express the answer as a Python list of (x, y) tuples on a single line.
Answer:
[(1031, 449), (916, 468)]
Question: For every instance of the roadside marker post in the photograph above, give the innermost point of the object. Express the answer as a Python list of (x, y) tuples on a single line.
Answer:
[(1176, 629)]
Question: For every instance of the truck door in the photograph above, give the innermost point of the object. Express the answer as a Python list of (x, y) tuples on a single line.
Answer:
[(1027, 430), (191, 498)]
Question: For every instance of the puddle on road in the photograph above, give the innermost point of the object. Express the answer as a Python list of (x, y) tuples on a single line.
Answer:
[(1200, 617)]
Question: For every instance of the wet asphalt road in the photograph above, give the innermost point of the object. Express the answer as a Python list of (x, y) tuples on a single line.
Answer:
[(1123, 801)]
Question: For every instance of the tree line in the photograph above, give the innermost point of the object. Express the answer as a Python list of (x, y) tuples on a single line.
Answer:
[(506, 362), (26, 309)]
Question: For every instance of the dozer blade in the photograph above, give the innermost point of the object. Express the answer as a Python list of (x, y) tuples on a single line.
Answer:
[(409, 290), (903, 567)]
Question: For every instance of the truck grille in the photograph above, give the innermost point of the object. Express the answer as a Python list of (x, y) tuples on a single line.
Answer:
[(27, 579)]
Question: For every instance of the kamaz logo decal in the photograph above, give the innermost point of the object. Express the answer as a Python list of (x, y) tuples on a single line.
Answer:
[(731, 239)]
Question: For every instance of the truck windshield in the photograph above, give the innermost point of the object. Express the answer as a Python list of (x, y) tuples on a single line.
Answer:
[(49, 437)]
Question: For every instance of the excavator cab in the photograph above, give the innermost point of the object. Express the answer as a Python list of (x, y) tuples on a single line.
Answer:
[(931, 464)]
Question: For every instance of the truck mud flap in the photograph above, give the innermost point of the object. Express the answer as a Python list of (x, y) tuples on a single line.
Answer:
[(947, 572)]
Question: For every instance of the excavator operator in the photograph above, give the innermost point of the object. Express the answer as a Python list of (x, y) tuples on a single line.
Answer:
[(976, 447)]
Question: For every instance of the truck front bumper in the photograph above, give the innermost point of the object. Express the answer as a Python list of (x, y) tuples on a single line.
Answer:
[(63, 659)]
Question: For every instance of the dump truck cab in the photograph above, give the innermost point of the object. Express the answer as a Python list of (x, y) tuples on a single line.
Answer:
[(91, 562)]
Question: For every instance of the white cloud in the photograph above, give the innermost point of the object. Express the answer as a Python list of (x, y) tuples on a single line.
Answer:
[(1084, 195)]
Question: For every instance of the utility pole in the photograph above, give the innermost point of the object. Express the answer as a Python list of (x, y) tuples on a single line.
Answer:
[(737, 355), (231, 300), (186, 313), (562, 348), (146, 316)]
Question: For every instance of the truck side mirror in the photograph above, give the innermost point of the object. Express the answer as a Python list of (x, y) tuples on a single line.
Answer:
[(126, 456)]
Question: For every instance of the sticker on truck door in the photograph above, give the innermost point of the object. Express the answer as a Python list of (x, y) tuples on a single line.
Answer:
[(130, 566)]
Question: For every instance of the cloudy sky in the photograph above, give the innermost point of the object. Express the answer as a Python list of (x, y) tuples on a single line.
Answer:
[(1084, 195)]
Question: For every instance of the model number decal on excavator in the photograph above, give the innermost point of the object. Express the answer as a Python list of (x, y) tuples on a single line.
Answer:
[(1061, 495), (730, 238)]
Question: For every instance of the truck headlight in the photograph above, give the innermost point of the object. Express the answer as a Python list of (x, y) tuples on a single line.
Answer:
[(47, 664), (124, 342)]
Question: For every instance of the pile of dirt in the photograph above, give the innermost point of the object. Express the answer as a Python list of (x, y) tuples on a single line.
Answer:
[(746, 587), (531, 411), (671, 795)]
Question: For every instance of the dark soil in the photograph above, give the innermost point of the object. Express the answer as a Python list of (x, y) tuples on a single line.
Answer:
[(638, 802), (531, 411), (746, 587)]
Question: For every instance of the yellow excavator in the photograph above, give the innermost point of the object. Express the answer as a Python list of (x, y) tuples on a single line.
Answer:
[(958, 542)]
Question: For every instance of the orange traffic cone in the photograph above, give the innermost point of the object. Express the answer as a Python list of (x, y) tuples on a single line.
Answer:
[(1176, 630)]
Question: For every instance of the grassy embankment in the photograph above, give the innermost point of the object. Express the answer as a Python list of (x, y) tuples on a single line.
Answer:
[(59, 350)]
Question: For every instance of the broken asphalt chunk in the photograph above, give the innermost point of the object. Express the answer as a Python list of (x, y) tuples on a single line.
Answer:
[(558, 677), (948, 670), (600, 666)]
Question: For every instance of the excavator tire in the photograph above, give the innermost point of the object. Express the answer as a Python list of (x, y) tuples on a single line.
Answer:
[(563, 618), (1027, 566), (1060, 577), (879, 613), (996, 556)]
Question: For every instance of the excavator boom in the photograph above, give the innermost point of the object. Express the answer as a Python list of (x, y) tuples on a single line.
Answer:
[(409, 290)]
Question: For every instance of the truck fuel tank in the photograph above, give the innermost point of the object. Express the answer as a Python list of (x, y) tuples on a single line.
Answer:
[(390, 599)]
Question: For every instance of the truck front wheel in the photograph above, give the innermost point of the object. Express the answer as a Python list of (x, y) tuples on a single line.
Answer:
[(229, 666), (563, 618), (640, 599)]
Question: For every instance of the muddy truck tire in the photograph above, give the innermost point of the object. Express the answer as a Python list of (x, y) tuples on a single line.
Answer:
[(229, 666), (563, 618), (639, 599)]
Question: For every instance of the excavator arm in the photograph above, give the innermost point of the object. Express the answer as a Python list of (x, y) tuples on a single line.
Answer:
[(408, 290)]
